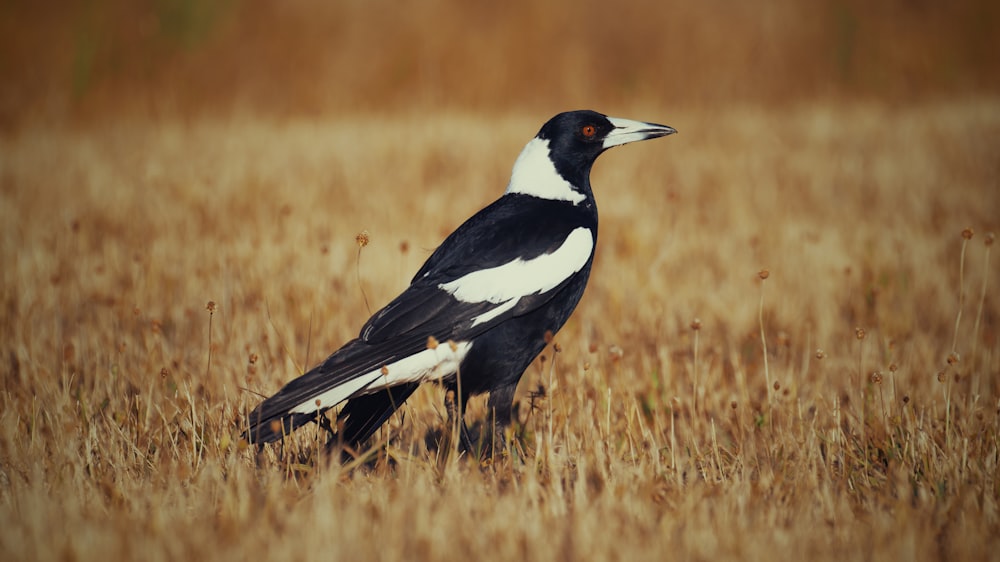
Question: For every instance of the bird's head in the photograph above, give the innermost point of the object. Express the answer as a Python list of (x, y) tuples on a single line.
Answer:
[(556, 163)]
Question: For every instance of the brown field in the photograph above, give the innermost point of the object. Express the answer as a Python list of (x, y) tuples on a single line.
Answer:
[(846, 407), (123, 396)]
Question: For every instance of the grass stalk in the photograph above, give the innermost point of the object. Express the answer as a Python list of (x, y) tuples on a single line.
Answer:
[(362, 239), (966, 236), (974, 360), (210, 307), (696, 327), (860, 334), (764, 274)]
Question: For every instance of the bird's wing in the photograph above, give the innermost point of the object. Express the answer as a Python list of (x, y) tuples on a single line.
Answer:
[(507, 260)]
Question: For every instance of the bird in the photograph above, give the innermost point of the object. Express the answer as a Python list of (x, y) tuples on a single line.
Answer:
[(481, 308)]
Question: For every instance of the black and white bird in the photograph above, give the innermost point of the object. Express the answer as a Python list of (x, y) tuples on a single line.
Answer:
[(483, 305)]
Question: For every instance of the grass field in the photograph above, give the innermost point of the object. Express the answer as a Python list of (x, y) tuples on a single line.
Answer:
[(846, 407)]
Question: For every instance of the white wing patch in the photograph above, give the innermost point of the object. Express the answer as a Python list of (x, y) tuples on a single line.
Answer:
[(506, 284), (495, 311), (429, 364), (535, 174)]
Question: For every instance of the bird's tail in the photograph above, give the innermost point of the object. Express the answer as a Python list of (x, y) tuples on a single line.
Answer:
[(267, 427), (356, 422), (362, 416), (347, 374)]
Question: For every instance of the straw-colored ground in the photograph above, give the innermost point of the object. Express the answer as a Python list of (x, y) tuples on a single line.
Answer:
[(122, 395)]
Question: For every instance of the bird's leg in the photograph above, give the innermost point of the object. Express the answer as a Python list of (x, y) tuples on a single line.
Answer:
[(500, 407), (456, 409), (335, 441), (324, 422)]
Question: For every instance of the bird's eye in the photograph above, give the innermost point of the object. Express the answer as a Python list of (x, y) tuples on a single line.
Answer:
[(588, 131)]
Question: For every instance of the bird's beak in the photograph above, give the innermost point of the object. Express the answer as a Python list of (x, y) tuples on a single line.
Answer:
[(627, 130)]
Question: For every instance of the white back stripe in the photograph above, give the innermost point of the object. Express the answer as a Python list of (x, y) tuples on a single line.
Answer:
[(520, 278), (495, 311)]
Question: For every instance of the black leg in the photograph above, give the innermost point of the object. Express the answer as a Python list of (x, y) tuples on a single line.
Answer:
[(500, 406), (362, 416), (324, 422), (456, 411)]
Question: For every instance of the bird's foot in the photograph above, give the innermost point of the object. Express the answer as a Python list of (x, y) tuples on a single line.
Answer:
[(456, 417)]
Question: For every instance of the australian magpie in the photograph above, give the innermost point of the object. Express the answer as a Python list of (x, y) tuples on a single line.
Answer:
[(482, 307)]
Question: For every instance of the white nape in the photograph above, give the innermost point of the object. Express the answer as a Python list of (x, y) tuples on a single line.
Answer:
[(426, 365), (535, 174)]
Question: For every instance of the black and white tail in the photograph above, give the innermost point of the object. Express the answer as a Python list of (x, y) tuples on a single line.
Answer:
[(374, 380)]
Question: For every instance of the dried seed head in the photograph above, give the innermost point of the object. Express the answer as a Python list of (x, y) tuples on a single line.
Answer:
[(876, 377), (763, 274), (452, 346), (953, 358), (732, 404), (592, 347), (586, 366), (820, 354), (164, 373), (967, 233), (859, 333), (211, 307), (696, 324), (783, 339), (942, 376), (989, 239), (252, 359), (275, 426), (548, 337), (777, 385), (616, 352), (556, 347), (906, 399), (362, 238), (385, 370), (319, 402), (432, 342), (892, 367), (540, 391)]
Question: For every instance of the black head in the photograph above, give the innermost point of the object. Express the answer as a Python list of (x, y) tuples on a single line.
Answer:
[(577, 138)]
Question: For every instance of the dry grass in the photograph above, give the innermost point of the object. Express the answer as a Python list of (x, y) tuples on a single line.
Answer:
[(122, 395)]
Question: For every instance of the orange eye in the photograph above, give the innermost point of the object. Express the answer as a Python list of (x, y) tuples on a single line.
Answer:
[(588, 131)]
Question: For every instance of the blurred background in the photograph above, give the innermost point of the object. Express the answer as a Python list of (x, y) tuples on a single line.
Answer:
[(161, 58)]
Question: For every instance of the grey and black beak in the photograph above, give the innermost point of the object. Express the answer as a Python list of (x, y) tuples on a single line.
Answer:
[(627, 130)]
